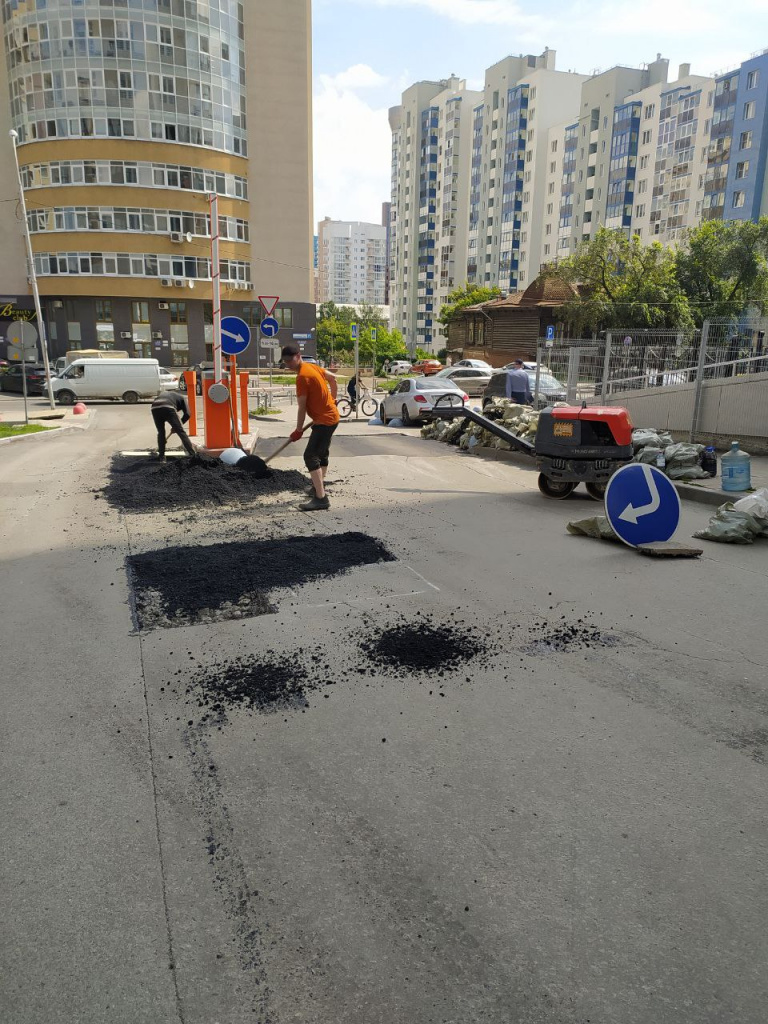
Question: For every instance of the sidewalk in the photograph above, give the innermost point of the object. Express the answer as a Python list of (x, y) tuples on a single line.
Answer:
[(710, 492)]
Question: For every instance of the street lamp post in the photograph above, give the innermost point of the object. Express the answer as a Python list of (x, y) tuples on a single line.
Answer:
[(32, 275)]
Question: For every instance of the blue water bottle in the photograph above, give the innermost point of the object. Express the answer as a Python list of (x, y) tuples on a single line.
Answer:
[(735, 469)]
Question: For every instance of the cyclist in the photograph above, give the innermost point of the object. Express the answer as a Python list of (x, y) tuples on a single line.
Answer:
[(352, 388)]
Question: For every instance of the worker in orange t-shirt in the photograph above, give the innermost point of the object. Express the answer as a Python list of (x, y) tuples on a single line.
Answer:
[(316, 391)]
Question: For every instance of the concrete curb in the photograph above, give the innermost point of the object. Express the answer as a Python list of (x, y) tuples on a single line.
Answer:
[(53, 432)]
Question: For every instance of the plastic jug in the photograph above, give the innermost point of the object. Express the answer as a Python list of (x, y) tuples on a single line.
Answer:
[(735, 469)]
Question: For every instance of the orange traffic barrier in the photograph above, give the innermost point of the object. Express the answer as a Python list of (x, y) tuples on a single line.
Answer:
[(190, 379), (218, 424), (244, 415)]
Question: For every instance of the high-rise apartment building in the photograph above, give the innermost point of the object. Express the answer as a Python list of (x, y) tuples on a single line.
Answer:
[(351, 262), (547, 158), (736, 184), (431, 135), (129, 116)]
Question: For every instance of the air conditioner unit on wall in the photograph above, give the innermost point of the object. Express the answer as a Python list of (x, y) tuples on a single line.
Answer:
[(176, 236), (157, 335), (126, 335), (165, 282), (163, 305), (178, 282), (58, 304)]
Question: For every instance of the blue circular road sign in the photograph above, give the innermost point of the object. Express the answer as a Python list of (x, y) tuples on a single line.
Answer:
[(642, 505), (269, 327), (235, 335)]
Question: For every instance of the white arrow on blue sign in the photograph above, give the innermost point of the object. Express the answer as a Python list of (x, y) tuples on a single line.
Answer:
[(235, 335), (269, 327), (642, 505)]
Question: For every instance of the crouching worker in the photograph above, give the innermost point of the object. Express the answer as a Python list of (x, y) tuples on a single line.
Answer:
[(316, 392), (165, 412)]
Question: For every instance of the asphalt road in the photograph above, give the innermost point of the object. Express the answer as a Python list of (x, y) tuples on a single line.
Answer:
[(563, 837)]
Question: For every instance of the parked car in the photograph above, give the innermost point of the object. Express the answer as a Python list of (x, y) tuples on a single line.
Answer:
[(473, 380), (427, 366), (169, 381), (199, 369), (550, 388), (400, 367), (477, 364), (413, 399), (13, 380)]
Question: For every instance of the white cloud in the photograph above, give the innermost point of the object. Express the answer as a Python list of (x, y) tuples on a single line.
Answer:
[(475, 12), (352, 147)]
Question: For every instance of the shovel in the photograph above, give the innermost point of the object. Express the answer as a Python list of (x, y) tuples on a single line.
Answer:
[(258, 466)]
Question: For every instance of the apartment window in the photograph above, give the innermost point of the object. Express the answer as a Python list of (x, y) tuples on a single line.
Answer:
[(642, 186), (551, 188), (531, 115), (550, 207), (533, 93), (552, 166), (738, 200), (548, 229), (640, 210), (742, 169), (749, 110), (649, 111), (752, 79), (553, 147), (546, 250), (745, 140), (643, 162), (140, 312), (647, 136)]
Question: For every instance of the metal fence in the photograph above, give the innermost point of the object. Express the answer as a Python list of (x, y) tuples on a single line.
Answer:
[(623, 362)]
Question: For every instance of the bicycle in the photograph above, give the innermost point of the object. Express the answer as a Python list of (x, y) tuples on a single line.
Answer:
[(368, 405)]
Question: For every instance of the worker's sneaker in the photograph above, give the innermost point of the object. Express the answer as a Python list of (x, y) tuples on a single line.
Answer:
[(310, 490), (315, 504)]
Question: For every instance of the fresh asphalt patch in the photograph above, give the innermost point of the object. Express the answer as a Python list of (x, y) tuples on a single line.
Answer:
[(181, 586), (142, 484)]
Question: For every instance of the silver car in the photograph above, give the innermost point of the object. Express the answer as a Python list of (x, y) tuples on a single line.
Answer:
[(476, 364), (413, 400), (474, 380)]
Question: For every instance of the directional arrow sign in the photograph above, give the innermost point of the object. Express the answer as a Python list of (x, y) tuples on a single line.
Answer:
[(269, 327), (642, 505), (235, 335)]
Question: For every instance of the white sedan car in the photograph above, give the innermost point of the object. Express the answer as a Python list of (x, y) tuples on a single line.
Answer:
[(169, 380), (475, 364), (414, 399)]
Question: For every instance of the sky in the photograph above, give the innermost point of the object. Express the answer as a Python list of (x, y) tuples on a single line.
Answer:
[(367, 52)]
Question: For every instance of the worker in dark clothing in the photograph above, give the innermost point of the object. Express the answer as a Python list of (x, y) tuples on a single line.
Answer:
[(165, 412)]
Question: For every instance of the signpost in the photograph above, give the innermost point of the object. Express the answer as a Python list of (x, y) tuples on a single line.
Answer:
[(353, 333), (22, 344), (642, 505), (268, 303)]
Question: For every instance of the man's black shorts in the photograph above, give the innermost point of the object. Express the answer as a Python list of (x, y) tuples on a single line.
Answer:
[(319, 446)]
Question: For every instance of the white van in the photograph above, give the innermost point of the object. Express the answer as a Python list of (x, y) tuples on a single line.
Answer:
[(129, 379), (88, 353)]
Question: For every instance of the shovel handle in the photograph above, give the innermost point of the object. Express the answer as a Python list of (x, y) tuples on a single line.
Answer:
[(285, 444)]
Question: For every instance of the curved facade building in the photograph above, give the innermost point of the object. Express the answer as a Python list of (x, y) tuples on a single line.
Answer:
[(129, 114)]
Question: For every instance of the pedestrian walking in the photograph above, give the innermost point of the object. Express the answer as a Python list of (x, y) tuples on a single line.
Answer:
[(316, 391), (518, 384), (165, 412)]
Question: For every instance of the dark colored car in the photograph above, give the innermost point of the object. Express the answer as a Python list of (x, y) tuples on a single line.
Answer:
[(199, 368), (550, 388), (12, 379)]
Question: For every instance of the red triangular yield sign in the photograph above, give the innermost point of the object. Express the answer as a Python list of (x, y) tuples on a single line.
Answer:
[(269, 302)]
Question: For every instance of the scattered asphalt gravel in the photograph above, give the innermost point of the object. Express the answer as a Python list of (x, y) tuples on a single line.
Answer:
[(267, 683), (142, 484), (183, 585), (545, 638), (423, 645)]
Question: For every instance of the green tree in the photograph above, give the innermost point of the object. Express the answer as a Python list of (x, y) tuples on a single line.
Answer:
[(623, 283), (722, 267), (467, 295)]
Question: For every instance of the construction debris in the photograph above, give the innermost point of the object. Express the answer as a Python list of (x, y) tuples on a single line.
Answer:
[(740, 522)]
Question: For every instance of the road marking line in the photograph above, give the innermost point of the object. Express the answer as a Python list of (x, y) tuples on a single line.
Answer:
[(424, 578)]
